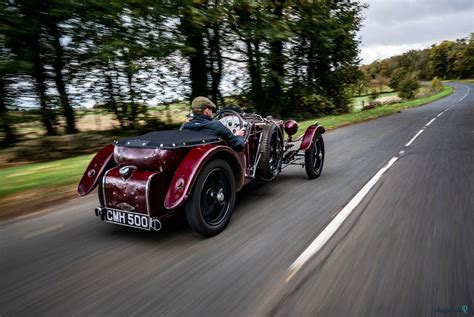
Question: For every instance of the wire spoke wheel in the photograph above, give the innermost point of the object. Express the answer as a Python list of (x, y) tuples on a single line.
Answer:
[(271, 150)]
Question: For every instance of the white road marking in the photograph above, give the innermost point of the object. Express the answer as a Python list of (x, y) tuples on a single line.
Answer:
[(462, 98), (413, 139), (44, 230), (467, 92), (430, 122), (332, 227)]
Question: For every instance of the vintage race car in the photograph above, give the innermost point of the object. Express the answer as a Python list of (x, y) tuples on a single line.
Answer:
[(144, 180)]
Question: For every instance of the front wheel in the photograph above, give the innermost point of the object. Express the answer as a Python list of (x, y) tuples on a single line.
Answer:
[(314, 158), (210, 205)]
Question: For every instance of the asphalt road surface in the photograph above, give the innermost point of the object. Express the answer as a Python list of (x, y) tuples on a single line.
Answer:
[(405, 247)]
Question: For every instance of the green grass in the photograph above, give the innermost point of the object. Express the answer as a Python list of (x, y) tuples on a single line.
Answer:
[(68, 171), (38, 175), (331, 122)]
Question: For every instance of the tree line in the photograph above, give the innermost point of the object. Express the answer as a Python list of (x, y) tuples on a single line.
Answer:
[(445, 60), (287, 57)]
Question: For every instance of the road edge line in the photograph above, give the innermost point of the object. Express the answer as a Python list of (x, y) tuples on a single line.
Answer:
[(338, 220)]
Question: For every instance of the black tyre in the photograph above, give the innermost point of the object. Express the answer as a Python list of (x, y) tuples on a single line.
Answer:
[(272, 149), (212, 200), (314, 158), (100, 191)]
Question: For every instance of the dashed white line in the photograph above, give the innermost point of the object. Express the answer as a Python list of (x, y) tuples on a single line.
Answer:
[(44, 230), (413, 139), (339, 219), (467, 92), (430, 122), (332, 227)]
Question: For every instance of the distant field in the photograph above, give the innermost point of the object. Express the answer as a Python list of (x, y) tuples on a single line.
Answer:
[(28, 125), (357, 101), (99, 120)]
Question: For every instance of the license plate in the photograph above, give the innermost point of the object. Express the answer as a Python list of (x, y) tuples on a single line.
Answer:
[(126, 218)]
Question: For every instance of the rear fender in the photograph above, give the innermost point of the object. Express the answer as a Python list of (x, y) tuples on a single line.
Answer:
[(191, 165), (309, 134), (101, 162)]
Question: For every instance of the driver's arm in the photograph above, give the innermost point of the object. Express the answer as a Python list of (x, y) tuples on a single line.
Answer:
[(234, 141)]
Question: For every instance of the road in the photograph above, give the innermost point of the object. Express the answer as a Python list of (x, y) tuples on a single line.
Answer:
[(405, 248)]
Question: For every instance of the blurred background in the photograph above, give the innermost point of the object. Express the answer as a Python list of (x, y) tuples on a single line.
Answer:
[(74, 75)]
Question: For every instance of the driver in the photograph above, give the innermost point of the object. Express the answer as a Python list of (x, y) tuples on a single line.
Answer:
[(203, 109)]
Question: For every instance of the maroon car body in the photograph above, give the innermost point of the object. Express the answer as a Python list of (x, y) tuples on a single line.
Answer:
[(145, 180)]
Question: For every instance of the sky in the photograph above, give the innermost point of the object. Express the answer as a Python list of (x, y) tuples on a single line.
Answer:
[(392, 27)]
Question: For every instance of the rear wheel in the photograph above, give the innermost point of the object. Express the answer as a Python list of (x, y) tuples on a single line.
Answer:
[(271, 148), (210, 205), (314, 158)]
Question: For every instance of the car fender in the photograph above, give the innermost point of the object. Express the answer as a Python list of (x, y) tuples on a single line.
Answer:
[(191, 165), (101, 162), (309, 134)]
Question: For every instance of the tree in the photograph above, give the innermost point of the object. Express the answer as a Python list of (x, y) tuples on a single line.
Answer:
[(463, 65), (362, 82), (192, 26), (408, 87), (396, 77), (247, 19), (34, 34), (291, 56), (23, 34), (57, 12), (440, 59), (325, 51), (122, 45), (5, 121), (7, 66)]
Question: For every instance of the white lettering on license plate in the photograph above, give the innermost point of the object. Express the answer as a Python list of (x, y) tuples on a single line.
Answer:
[(127, 219)]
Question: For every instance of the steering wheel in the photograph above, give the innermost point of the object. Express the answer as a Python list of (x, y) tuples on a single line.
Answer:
[(236, 122)]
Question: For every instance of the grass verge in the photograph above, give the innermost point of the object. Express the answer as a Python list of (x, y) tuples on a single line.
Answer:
[(39, 175), (332, 122), (29, 185)]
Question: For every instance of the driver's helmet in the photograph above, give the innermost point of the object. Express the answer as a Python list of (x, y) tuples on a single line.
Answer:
[(201, 103)]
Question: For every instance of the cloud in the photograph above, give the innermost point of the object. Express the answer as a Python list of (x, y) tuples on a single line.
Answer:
[(393, 27), (371, 53), (393, 11)]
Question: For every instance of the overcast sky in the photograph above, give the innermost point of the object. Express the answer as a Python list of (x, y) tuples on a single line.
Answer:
[(392, 27)]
